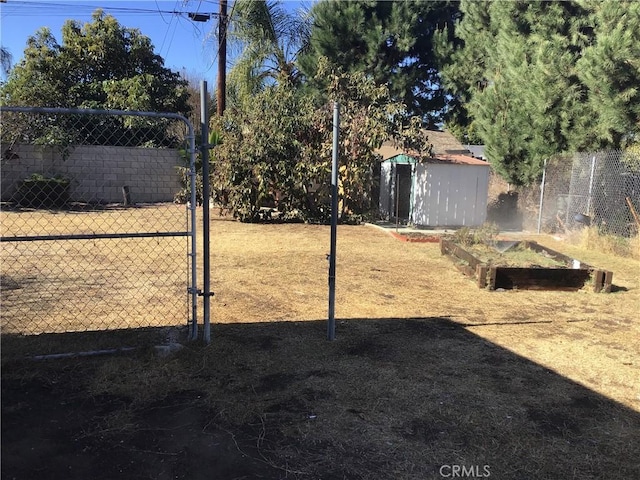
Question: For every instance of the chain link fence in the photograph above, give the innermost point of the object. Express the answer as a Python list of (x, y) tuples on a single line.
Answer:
[(600, 189), (92, 239)]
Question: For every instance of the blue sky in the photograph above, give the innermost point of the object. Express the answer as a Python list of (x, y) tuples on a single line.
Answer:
[(184, 44)]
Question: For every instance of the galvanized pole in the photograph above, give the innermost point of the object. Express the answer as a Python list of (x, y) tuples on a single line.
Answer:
[(206, 293), (593, 171), (193, 334), (222, 58), (544, 176), (331, 325), (397, 197)]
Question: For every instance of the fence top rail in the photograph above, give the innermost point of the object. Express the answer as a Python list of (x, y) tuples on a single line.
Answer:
[(92, 111)]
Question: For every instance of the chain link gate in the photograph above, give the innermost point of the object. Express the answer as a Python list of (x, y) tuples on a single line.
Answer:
[(92, 237)]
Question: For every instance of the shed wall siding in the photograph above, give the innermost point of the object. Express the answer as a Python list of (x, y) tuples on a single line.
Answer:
[(385, 189), (446, 195)]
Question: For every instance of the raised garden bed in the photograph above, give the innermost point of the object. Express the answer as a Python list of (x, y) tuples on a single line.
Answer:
[(524, 265)]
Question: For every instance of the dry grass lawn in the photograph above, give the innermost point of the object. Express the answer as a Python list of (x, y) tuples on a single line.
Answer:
[(279, 272), (85, 285), (426, 371)]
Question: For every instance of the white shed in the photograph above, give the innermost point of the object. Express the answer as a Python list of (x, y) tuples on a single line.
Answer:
[(441, 191)]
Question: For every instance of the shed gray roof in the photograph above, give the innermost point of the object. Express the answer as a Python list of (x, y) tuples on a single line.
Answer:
[(444, 160), (476, 151)]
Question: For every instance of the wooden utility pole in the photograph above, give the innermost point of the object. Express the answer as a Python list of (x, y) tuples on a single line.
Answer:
[(222, 58)]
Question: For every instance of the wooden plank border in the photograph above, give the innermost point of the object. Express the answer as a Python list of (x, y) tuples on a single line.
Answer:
[(529, 278), (602, 280), (447, 247)]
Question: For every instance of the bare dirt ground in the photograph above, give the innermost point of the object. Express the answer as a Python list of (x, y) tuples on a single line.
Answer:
[(428, 374)]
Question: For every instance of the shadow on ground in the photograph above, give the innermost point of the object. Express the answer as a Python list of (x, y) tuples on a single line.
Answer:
[(388, 399)]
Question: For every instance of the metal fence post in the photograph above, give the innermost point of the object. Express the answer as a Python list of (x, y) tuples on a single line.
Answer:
[(591, 175), (204, 122), (585, 188), (331, 325), (544, 175), (193, 333)]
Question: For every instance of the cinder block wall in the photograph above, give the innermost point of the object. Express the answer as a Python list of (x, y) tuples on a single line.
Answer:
[(97, 173)]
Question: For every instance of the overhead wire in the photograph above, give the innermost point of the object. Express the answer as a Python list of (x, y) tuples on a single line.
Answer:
[(226, 30), (217, 54), (177, 21), (166, 33), (24, 8), (161, 16), (35, 8)]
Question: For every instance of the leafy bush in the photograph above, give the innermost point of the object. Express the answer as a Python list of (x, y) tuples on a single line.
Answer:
[(277, 148)]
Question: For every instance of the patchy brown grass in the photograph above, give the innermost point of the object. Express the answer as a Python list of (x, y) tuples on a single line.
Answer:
[(275, 273), (84, 285), (591, 238), (427, 370)]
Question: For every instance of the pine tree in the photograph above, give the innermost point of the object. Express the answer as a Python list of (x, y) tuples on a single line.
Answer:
[(391, 42), (610, 70), (535, 79), (532, 100)]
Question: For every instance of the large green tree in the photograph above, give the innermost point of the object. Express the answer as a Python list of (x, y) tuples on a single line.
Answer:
[(265, 159), (390, 42), (99, 64), (534, 79), (609, 68)]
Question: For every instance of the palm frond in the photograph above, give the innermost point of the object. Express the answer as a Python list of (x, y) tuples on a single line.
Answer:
[(266, 40)]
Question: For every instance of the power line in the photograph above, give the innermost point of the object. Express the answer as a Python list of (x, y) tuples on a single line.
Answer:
[(161, 16), (21, 8), (166, 33), (26, 9), (174, 31)]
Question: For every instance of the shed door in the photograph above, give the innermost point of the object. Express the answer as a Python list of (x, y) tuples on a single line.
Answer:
[(402, 196)]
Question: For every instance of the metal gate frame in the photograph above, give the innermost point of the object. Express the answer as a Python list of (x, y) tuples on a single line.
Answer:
[(192, 289)]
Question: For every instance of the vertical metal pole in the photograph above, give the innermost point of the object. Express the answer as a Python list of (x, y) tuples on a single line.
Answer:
[(206, 293), (193, 334), (544, 176), (412, 190), (331, 325), (593, 170), (397, 198), (222, 58)]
